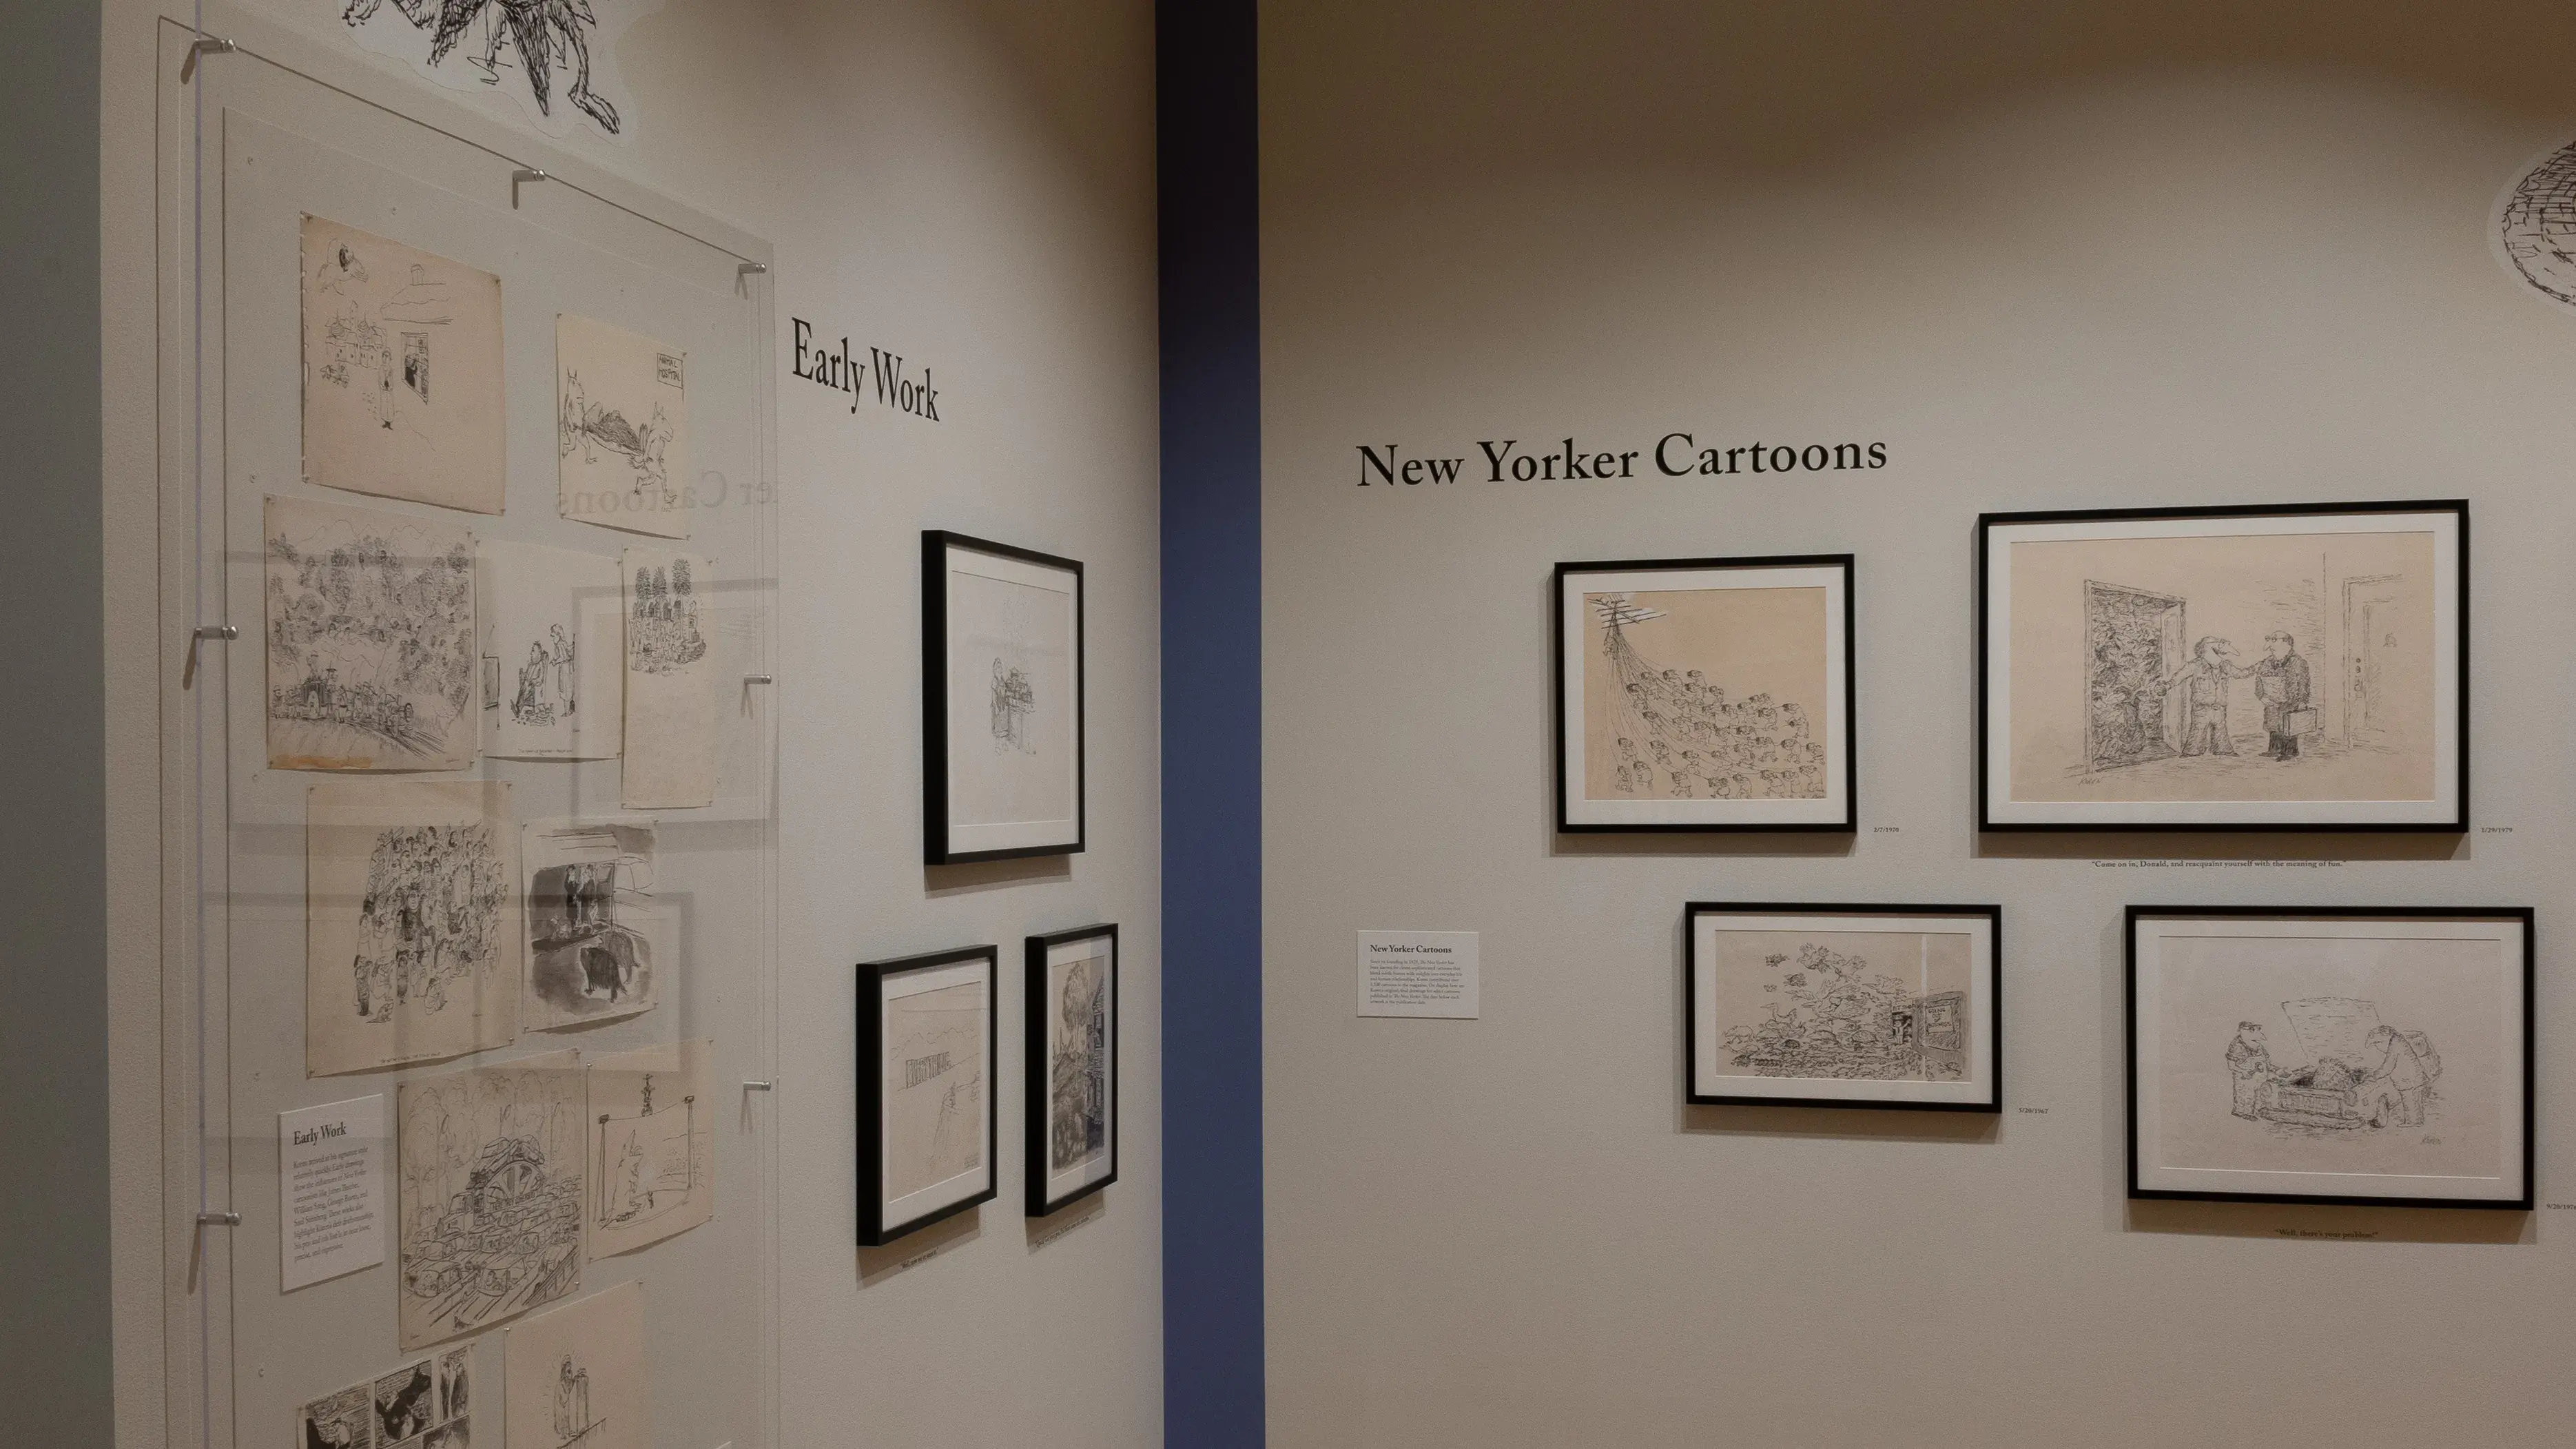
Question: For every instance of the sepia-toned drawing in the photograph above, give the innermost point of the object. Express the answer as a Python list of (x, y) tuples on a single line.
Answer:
[(492, 1189), (670, 737), (552, 622), (1886, 1007), (1078, 1049), (594, 929), (345, 1420), (573, 1378), (652, 1141), (935, 1080), (2536, 226), (540, 39), (402, 371), (1705, 694), (2229, 667), (621, 428), (412, 922), (370, 640)]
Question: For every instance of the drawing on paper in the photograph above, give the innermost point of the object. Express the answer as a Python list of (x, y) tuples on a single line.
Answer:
[(2357, 1074), (1078, 1082), (406, 1403), (1887, 1006), (592, 921), (429, 924), (1011, 696), (662, 635), (2224, 667), (551, 645), (1705, 694), (621, 428), (651, 1146), (492, 1191), (935, 1080), (370, 626), (402, 371), (345, 1420), (573, 1378), (2537, 225), (412, 922), (455, 1383), (540, 39), (670, 727), (1013, 702), (456, 1435)]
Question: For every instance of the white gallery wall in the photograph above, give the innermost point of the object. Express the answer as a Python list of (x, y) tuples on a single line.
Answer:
[(2050, 256), (971, 186)]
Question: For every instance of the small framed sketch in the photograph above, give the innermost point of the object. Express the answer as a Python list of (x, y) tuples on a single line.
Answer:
[(1705, 694), (1072, 1066), (1001, 692), (1845, 1006), (926, 1105), (2374, 1055), (2248, 668)]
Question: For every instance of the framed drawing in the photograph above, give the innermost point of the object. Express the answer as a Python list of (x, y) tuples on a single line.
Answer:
[(1705, 694), (926, 1105), (1001, 694), (1072, 1066), (1844, 1006), (2251, 668), (2376, 1055)]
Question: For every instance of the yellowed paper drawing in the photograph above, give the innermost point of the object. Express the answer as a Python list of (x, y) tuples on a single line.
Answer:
[(402, 371)]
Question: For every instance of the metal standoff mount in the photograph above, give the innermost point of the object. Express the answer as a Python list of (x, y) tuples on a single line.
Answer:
[(196, 641), (212, 1219), (752, 269), (201, 46), (760, 1086), (760, 679), (521, 177)]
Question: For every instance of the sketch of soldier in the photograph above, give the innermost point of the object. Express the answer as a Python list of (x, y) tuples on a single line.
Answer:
[(572, 1401), (2395, 1088), (2249, 1061), (2204, 679), (2281, 682), (566, 681)]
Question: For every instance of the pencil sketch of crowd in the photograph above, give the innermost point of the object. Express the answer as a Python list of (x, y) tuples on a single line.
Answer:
[(662, 626), (431, 917), (1689, 741), (1838, 1021), (364, 599)]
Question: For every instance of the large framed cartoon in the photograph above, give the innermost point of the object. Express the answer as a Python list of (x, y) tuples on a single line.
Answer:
[(2377, 1055), (1001, 696), (2255, 668), (1705, 694)]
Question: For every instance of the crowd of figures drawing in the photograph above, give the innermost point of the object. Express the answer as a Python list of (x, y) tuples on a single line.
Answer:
[(1078, 1089), (2359, 1075), (429, 925), (2149, 696), (1833, 1018), (662, 634), (1680, 735), (492, 1169), (370, 635)]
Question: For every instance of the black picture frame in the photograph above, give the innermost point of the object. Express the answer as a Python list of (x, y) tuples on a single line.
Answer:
[(940, 845), (1037, 1071), (2133, 1088), (2455, 822), (1991, 1019), (877, 1226), (1846, 680)]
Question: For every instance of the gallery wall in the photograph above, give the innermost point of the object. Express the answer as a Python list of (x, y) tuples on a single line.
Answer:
[(2049, 258), (970, 186)]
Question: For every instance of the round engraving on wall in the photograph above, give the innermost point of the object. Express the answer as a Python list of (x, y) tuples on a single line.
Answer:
[(2536, 224)]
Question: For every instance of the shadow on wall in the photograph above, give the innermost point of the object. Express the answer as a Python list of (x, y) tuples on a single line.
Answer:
[(1783, 88)]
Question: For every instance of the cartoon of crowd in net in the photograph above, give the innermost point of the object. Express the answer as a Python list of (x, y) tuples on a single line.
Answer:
[(662, 624), (1836, 1020), (1681, 737), (430, 919)]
